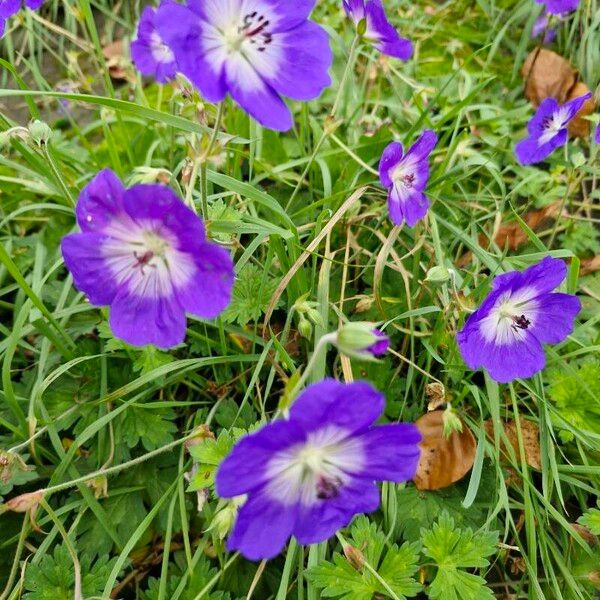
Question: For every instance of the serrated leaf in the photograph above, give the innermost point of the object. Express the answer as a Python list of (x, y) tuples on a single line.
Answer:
[(454, 549), (149, 359), (591, 520), (53, 577), (251, 294), (153, 427), (341, 579)]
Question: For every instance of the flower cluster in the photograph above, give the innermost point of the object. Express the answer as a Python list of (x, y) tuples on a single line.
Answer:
[(145, 254), (257, 52)]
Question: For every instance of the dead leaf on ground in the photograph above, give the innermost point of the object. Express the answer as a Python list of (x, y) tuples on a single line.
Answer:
[(549, 75), (443, 460), (531, 439), (590, 265), (580, 126), (512, 234), (115, 60)]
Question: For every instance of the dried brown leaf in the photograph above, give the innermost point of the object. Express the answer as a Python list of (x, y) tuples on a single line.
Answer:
[(580, 126), (590, 265), (513, 235), (531, 439), (443, 460), (115, 60), (547, 75)]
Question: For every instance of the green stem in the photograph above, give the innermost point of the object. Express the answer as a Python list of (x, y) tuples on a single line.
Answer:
[(326, 131), (66, 192)]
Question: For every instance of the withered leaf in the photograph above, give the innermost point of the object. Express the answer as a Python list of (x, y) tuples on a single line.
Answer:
[(531, 439), (590, 265), (443, 460), (115, 60), (580, 126), (513, 235), (547, 75)]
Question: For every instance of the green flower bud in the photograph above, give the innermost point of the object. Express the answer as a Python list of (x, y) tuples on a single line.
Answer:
[(438, 275), (452, 422), (361, 340), (305, 328), (361, 28), (40, 132)]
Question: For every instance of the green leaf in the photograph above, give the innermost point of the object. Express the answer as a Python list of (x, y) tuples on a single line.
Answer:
[(53, 577), (576, 395), (151, 358), (151, 426), (251, 294), (341, 579), (209, 455), (591, 520), (455, 549)]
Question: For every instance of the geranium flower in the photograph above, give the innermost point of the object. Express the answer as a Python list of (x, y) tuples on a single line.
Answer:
[(144, 253), (309, 475), (548, 129), (8, 8), (255, 50), (505, 334), (377, 29), (557, 7), (149, 53), (405, 176), (597, 136)]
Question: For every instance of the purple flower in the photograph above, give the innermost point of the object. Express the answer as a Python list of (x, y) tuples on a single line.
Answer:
[(405, 176), (556, 7), (149, 53), (597, 136), (380, 347), (144, 253), (8, 8), (378, 29), (309, 475), (505, 334), (541, 27), (548, 129), (255, 50)]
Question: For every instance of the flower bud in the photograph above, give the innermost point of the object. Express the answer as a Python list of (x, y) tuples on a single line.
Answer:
[(361, 27), (305, 328), (451, 421), (24, 502), (354, 556), (438, 275), (40, 132), (224, 519), (361, 340)]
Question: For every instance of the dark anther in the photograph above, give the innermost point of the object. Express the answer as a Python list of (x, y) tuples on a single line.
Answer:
[(328, 488), (521, 322), (143, 260), (408, 179)]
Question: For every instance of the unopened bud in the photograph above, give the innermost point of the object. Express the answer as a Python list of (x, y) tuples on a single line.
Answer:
[(354, 556), (361, 27), (24, 502), (40, 132), (438, 275), (223, 521), (452, 422), (315, 317), (305, 328), (361, 340)]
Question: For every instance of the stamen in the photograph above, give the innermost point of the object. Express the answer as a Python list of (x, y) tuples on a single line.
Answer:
[(521, 322), (328, 488), (143, 260), (254, 29)]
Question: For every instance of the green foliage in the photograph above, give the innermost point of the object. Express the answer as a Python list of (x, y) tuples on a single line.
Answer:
[(582, 239), (209, 454), (576, 395), (53, 578), (251, 294), (591, 520), (454, 550), (396, 566)]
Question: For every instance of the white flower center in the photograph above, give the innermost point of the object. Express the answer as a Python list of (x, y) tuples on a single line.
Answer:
[(315, 470), (512, 315), (144, 258), (554, 124), (160, 51), (253, 29)]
